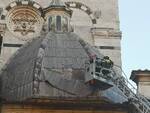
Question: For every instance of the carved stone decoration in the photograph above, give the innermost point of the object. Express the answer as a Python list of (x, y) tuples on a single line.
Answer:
[(97, 14), (106, 32), (24, 22)]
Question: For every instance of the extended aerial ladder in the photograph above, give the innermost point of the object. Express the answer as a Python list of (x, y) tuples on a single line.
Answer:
[(100, 71)]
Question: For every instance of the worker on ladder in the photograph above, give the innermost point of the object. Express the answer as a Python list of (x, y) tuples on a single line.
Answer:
[(106, 64)]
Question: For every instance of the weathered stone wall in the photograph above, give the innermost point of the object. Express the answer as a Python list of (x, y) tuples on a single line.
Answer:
[(144, 85), (143, 88), (105, 34)]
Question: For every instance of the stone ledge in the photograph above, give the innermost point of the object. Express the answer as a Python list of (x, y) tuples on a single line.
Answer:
[(106, 32)]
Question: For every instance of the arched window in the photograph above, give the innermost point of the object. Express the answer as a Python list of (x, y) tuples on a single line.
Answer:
[(58, 23), (1, 41), (64, 24), (51, 23)]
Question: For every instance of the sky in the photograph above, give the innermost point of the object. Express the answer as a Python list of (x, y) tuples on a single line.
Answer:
[(135, 27)]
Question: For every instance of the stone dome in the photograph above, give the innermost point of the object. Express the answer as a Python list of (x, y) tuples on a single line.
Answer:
[(51, 66)]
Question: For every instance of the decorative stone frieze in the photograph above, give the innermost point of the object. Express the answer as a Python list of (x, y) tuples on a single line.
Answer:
[(107, 32)]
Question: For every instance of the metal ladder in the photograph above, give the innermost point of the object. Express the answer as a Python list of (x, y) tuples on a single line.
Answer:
[(140, 102)]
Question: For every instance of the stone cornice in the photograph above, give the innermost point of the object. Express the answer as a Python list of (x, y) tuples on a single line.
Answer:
[(106, 32)]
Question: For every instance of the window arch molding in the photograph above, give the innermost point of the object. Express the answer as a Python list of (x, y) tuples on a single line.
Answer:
[(84, 8), (59, 23)]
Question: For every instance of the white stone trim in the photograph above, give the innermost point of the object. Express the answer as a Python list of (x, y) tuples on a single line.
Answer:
[(25, 2), (84, 8), (13, 4), (36, 5), (4, 12), (72, 5)]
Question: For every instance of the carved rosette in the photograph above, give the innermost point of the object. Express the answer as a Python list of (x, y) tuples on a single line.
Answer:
[(24, 20)]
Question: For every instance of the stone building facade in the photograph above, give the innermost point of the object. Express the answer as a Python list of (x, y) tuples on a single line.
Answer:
[(63, 57), (96, 21)]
